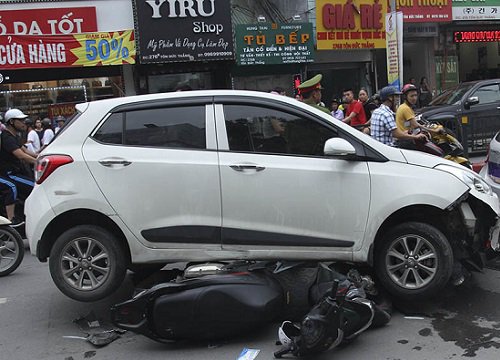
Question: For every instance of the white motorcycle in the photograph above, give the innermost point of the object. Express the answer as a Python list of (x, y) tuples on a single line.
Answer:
[(11, 248)]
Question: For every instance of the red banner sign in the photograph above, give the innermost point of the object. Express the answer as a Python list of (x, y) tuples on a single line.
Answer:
[(51, 21), (90, 49), (65, 110), (425, 10)]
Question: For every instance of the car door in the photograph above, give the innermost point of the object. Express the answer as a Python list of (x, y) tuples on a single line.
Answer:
[(482, 118), (279, 192), (158, 168)]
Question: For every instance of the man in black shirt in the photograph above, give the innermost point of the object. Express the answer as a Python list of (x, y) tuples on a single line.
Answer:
[(11, 167)]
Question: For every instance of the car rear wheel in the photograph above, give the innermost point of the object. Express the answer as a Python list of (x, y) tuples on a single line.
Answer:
[(414, 261), (87, 263)]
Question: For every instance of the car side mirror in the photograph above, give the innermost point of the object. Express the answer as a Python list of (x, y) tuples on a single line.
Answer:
[(473, 100), (339, 147)]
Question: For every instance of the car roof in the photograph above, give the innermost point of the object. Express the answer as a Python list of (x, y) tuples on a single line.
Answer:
[(113, 102)]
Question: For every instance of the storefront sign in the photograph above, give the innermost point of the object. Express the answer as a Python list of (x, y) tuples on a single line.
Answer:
[(476, 9), (446, 72), (425, 10), (476, 36), (66, 110), (90, 49), (414, 30), (394, 31), (265, 44), (347, 24), (57, 21), (180, 30)]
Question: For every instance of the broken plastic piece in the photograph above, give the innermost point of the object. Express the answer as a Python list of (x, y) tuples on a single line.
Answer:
[(248, 354)]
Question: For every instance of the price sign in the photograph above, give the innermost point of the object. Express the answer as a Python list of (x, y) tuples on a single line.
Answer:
[(111, 48), (89, 49)]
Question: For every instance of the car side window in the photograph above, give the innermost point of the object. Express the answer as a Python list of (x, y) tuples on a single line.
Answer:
[(266, 130), (172, 127), (488, 94)]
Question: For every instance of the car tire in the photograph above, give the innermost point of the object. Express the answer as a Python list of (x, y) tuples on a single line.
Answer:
[(419, 269), (87, 263), (11, 250)]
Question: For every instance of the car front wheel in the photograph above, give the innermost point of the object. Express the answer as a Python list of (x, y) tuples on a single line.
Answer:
[(87, 263), (414, 261)]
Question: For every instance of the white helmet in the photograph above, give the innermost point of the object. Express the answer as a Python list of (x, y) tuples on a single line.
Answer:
[(286, 332)]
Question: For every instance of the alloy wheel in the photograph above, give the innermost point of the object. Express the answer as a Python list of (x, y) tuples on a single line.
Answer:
[(85, 264), (9, 251), (411, 261)]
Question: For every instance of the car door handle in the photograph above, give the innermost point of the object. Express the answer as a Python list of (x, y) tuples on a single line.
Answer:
[(243, 167), (110, 163)]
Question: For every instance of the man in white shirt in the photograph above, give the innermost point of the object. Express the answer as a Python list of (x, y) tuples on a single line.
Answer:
[(32, 140), (48, 133)]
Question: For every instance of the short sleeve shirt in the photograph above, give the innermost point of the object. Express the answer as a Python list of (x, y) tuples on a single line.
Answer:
[(382, 125), (48, 135), (8, 161), (403, 116), (357, 107)]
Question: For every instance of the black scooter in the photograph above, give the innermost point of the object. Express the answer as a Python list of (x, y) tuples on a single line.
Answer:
[(218, 301)]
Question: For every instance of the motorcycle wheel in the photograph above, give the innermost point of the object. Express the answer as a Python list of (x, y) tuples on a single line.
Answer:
[(11, 250), (413, 261)]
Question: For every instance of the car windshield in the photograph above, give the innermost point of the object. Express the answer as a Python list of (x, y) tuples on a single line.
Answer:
[(451, 96)]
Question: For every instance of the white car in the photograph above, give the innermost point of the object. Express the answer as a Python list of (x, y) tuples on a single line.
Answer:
[(137, 182), (491, 169)]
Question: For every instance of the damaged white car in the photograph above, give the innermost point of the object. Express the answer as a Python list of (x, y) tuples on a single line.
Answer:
[(138, 182)]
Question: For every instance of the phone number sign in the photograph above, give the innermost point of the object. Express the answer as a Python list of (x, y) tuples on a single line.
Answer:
[(89, 49), (265, 44)]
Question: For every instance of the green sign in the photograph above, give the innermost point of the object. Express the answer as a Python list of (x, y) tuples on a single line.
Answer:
[(274, 44), (446, 72), (475, 9)]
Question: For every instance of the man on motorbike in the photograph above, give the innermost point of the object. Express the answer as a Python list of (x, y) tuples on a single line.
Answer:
[(383, 123), (405, 116), (11, 156)]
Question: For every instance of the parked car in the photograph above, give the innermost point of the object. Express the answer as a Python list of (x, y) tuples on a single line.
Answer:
[(137, 182), (491, 168), (471, 110)]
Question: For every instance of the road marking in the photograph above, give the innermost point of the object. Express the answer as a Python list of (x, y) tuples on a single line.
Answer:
[(3, 300)]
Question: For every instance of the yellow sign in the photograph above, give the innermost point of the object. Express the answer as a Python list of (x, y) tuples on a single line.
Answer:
[(105, 48), (350, 24)]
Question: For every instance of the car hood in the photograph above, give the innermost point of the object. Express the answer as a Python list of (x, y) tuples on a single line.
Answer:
[(420, 158), (431, 111)]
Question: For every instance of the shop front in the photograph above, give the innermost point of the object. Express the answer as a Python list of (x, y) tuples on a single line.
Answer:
[(56, 54), (350, 38), (271, 55), (189, 46), (474, 38)]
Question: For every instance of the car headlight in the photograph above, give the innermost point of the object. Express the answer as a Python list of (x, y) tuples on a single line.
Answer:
[(470, 178)]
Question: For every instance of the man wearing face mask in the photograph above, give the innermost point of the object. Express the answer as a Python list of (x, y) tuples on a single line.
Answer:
[(383, 121)]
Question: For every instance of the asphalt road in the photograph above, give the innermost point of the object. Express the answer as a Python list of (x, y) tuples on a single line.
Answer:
[(37, 322)]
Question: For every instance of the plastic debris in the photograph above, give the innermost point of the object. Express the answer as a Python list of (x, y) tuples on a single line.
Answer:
[(97, 332), (248, 354), (414, 318)]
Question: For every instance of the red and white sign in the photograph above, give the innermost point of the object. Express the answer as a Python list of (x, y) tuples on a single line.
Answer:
[(54, 21), (425, 10)]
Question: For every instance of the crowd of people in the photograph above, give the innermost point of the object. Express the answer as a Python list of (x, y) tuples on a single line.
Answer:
[(21, 139), (381, 115)]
